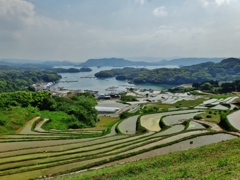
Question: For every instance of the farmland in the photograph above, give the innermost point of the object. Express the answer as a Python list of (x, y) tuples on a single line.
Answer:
[(37, 152)]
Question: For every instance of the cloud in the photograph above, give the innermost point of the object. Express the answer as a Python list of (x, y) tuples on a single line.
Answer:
[(206, 3), (14, 14), (221, 2), (140, 1), (160, 11), (28, 31)]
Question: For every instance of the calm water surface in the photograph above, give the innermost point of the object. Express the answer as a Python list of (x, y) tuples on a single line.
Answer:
[(101, 85)]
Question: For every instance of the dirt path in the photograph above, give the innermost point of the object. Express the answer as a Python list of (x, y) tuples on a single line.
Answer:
[(213, 126), (39, 125), (27, 128), (235, 133)]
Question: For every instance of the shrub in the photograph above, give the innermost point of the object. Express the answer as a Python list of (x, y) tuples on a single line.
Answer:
[(128, 98), (124, 115), (235, 109), (2, 122), (197, 117), (208, 116)]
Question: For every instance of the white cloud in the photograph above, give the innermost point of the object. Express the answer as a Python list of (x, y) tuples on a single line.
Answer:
[(13, 13), (160, 11), (206, 3)]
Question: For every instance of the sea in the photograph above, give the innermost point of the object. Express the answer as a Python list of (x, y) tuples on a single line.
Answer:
[(86, 81)]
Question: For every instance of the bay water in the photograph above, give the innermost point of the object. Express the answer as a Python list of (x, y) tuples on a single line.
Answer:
[(86, 81)]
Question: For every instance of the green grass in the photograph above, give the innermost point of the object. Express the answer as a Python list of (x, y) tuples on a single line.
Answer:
[(161, 105), (189, 103), (182, 103), (106, 121), (217, 161), (56, 120), (215, 115), (14, 118), (220, 96)]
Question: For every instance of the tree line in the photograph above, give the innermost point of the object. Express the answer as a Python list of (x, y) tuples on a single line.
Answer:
[(226, 70)]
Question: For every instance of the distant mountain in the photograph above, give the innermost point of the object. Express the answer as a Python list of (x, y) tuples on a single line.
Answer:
[(188, 61), (24, 66), (120, 62), (114, 62), (59, 63), (31, 64)]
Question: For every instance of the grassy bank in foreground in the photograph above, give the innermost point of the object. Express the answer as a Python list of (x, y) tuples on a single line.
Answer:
[(217, 161)]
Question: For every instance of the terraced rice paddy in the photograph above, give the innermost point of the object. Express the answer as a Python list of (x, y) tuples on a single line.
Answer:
[(217, 103), (234, 119), (151, 121), (171, 130), (128, 126), (195, 125), (175, 119), (30, 158), (183, 145)]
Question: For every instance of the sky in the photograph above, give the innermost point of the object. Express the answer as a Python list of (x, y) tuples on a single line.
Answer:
[(77, 30)]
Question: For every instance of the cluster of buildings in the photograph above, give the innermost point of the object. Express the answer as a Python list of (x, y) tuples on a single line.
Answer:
[(42, 86)]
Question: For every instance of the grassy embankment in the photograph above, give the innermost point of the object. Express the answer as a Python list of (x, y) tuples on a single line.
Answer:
[(104, 123), (56, 120), (217, 161), (213, 115), (13, 118)]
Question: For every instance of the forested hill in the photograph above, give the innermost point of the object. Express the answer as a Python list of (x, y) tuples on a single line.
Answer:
[(12, 79), (226, 70)]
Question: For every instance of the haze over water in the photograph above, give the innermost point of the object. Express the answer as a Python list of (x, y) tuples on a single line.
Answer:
[(101, 85)]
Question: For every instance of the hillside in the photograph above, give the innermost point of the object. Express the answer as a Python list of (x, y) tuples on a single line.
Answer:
[(53, 144), (216, 161)]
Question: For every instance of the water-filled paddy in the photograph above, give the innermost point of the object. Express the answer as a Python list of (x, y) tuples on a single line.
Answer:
[(171, 130), (184, 145), (128, 126), (151, 121), (10, 146), (167, 140), (234, 119), (195, 125), (174, 119)]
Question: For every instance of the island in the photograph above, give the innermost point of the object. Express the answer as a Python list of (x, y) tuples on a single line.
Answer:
[(85, 69)]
